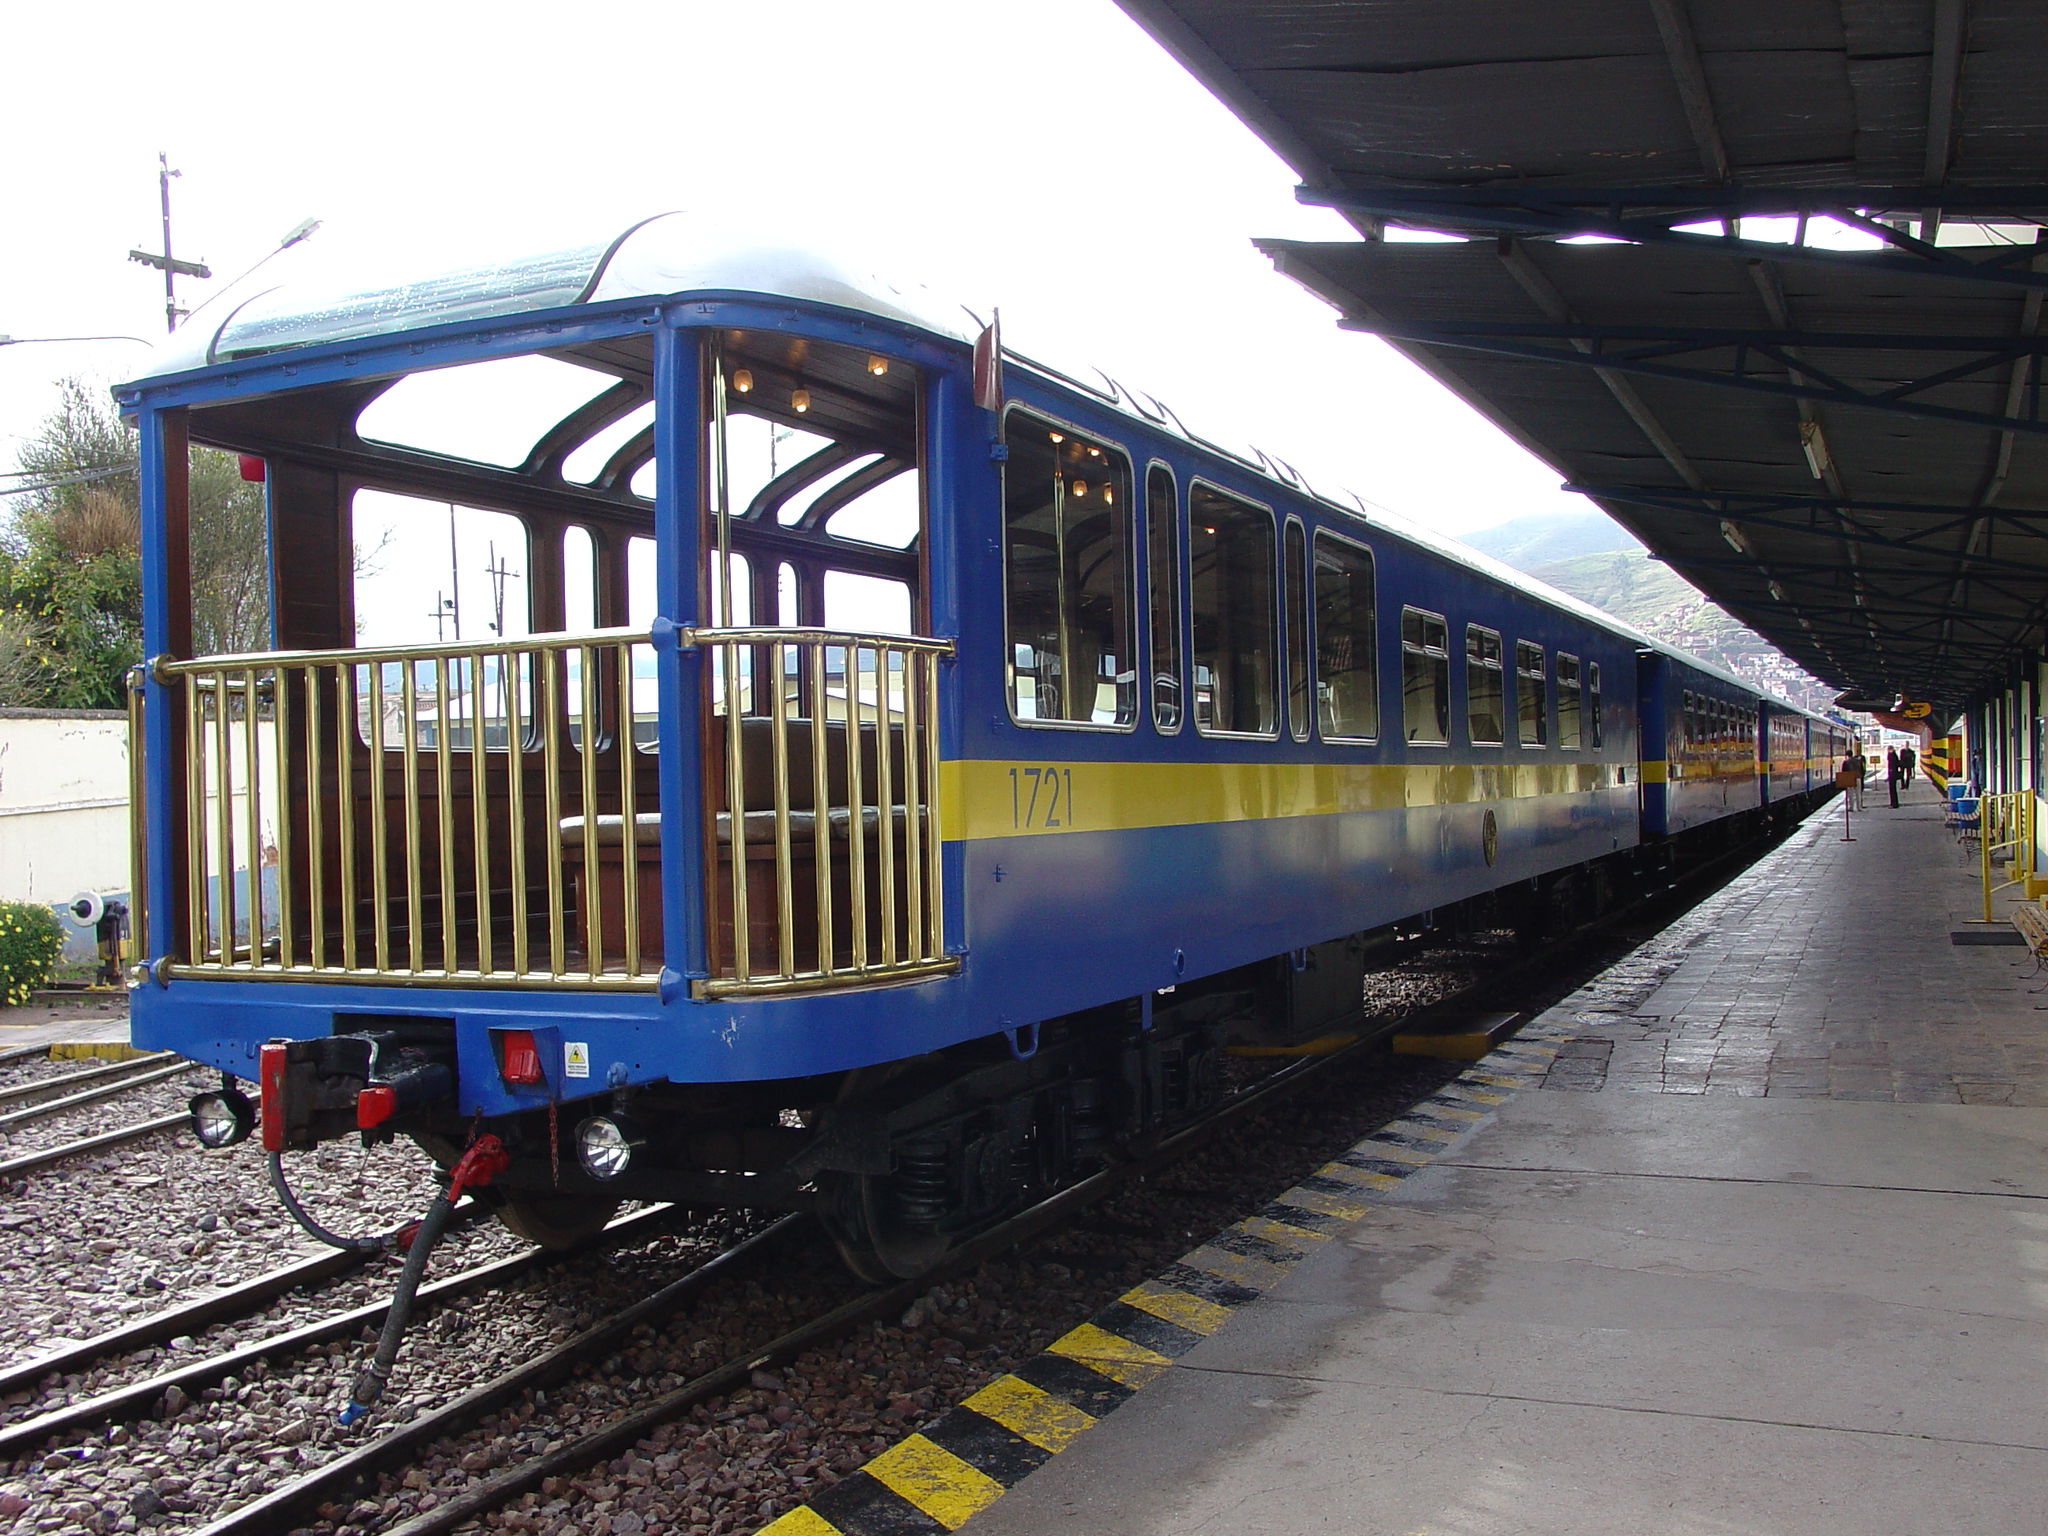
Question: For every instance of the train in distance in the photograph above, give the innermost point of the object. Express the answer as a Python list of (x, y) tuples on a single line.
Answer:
[(887, 787)]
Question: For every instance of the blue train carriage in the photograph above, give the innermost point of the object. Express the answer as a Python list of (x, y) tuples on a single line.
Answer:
[(1702, 752), (859, 797), (1796, 768)]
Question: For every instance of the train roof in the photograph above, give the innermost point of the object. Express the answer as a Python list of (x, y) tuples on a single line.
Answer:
[(667, 255)]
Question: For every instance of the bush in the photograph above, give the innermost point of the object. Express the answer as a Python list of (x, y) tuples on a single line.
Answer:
[(30, 940)]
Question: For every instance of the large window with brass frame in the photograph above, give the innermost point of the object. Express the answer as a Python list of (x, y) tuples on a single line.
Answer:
[(1067, 519), (1485, 695), (1233, 607), (1532, 694), (1162, 564), (1425, 677), (1347, 641)]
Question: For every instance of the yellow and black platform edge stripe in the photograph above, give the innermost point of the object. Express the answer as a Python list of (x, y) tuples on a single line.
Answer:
[(97, 1050), (939, 1477)]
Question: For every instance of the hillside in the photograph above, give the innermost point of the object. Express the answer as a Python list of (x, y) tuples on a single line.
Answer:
[(1602, 565), (1550, 538)]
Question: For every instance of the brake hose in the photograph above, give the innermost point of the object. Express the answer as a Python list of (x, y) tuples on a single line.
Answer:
[(291, 1203), (485, 1159)]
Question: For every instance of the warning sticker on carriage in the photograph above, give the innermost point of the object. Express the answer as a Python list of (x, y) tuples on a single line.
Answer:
[(576, 1058)]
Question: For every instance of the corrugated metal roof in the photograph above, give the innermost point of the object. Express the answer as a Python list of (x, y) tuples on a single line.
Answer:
[(1844, 448)]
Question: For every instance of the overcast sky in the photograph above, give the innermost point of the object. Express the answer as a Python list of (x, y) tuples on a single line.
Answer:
[(1049, 159)]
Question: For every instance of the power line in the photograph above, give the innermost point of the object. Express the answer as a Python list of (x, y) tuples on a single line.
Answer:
[(79, 478)]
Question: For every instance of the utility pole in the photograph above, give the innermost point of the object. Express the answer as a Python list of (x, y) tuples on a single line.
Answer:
[(454, 574), (168, 264), (498, 571)]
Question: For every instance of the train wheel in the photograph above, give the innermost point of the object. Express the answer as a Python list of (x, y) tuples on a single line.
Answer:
[(877, 1248), (555, 1221)]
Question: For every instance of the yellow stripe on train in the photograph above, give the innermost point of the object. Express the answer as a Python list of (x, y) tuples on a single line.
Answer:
[(1008, 799)]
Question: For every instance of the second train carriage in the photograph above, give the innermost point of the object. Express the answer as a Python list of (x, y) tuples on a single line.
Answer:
[(873, 797)]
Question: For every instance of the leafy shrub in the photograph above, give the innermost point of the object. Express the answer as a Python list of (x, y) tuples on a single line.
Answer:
[(30, 940)]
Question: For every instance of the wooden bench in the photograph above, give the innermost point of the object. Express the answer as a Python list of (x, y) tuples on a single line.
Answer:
[(2031, 918), (595, 846)]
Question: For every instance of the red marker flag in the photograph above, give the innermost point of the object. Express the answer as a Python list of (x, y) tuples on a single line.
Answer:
[(988, 365)]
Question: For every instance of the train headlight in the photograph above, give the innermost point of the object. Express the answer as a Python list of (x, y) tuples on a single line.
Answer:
[(606, 1144), (222, 1118)]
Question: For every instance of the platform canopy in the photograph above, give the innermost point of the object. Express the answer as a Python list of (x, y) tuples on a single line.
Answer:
[(1845, 448)]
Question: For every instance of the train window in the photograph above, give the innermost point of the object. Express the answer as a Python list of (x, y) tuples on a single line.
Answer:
[(1425, 676), (1297, 630), (493, 412), (873, 605), (628, 439), (883, 511), (1593, 726), (1569, 736), (1347, 641), (442, 571), (1162, 555), (1067, 576), (1532, 706), (1688, 722), (1485, 691), (579, 579), (1230, 597), (640, 605)]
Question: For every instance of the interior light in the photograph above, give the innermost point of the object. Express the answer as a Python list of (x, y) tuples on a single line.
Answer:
[(1080, 487), (1094, 453), (1109, 495), (1058, 437), (742, 380), (877, 365), (800, 400)]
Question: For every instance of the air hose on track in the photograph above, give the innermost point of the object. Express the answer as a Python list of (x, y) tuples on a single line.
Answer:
[(485, 1159), (299, 1213)]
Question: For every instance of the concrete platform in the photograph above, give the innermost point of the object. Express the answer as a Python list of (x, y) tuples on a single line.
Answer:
[(103, 1021), (1764, 1250)]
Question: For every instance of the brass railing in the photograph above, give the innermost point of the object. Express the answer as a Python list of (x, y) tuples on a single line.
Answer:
[(827, 743), (426, 815)]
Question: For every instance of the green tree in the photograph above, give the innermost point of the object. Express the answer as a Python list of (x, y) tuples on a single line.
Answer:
[(70, 569)]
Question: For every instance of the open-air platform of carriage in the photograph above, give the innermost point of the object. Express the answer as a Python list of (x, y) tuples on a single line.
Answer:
[(1756, 1241)]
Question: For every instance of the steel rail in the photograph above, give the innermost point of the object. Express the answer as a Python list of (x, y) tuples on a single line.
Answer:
[(94, 1095), (21, 1091), (294, 1504), (345, 1477), (196, 1316), (33, 1160), (137, 1398), (609, 1439)]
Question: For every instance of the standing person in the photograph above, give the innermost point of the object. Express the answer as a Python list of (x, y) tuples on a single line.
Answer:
[(1908, 761), (1891, 774), (1852, 776)]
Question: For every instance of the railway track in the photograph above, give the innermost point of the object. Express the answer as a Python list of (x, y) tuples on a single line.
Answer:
[(29, 1162), (17, 1093), (141, 1396), (300, 1501), (98, 1091)]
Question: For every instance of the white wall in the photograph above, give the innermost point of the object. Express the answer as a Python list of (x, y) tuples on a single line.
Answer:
[(63, 803)]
